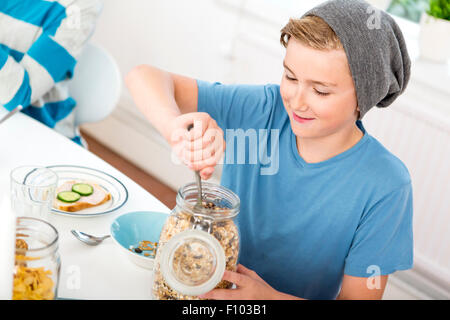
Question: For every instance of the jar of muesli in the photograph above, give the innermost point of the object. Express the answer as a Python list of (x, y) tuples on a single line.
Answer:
[(37, 262), (196, 245)]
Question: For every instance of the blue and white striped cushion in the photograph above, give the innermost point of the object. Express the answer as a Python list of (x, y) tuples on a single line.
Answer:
[(39, 43)]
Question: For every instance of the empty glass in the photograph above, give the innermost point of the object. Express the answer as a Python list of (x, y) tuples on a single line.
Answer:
[(32, 191)]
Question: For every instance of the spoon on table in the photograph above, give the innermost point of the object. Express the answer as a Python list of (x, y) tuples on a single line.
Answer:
[(199, 204), (87, 238)]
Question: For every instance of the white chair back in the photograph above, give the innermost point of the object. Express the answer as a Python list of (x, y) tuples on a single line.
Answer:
[(96, 85)]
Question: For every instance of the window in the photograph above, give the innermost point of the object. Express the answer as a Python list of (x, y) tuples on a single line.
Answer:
[(409, 9)]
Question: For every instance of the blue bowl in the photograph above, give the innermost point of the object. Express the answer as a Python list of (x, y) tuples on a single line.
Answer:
[(131, 228)]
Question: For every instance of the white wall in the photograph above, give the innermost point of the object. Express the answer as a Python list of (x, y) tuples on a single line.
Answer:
[(176, 35)]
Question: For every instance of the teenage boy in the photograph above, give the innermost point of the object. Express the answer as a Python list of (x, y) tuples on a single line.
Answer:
[(335, 219)]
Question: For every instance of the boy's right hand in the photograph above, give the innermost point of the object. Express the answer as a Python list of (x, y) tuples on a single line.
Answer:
[(200, 148)]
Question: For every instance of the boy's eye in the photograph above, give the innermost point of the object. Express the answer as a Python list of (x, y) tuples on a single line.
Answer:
[(321, 93), (289, 78)]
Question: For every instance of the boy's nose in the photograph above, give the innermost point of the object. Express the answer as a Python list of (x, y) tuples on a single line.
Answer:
[(298, 101), (299, 105)]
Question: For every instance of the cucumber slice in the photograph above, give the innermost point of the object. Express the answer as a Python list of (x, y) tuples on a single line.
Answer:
[(83, 189), (68, 196)]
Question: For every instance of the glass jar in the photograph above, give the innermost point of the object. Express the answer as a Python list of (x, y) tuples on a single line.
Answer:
[(196, 245), (37, 264)]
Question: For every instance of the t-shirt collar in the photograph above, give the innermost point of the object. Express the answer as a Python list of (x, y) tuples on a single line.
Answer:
[(334, 159)]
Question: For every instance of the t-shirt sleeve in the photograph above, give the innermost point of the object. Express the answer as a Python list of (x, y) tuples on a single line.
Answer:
[(237, 106), (383, 242)]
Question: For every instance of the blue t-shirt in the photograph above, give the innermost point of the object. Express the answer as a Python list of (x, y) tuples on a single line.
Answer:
[(304, 225)]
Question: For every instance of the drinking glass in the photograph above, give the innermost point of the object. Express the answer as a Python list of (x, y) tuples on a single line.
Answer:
[(32, 191)]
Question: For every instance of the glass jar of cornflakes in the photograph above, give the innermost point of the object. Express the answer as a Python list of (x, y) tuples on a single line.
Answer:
[(197, 243), (37, 264)]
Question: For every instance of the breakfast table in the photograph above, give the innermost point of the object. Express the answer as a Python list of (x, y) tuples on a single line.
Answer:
[(87, 272)]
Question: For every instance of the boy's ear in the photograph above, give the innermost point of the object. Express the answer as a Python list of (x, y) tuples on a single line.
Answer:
[(358, 111)]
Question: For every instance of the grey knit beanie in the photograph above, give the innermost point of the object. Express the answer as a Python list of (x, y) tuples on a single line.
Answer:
[(375, 48)]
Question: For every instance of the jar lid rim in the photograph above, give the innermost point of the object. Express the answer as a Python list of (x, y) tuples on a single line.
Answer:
[(218, 214), (52, 243), (168, 251)]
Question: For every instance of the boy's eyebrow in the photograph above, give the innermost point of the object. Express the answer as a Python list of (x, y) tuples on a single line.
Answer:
[(286, 67), (327, 84)]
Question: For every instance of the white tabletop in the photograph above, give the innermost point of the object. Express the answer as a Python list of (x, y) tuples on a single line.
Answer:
[(102, 272)]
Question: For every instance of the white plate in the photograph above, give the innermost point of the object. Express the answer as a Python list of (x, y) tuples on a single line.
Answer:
[(119, 193)]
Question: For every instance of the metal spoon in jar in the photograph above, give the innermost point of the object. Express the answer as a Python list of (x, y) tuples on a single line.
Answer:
[(199, 204), (87, 238)]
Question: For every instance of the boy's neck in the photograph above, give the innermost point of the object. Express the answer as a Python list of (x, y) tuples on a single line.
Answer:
[(314, 150)]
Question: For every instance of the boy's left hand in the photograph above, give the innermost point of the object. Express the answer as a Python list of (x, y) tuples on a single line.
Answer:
[(249, 286)]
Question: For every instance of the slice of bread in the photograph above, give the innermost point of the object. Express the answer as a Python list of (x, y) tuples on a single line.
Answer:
[(98, 197)]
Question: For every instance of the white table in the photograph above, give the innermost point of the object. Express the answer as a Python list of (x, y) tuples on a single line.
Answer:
[(102, 272)]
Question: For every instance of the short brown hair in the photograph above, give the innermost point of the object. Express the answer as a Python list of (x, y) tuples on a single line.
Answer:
[(312, 31)]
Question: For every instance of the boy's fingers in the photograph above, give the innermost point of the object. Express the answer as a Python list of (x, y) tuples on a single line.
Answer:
[(201, 154), (213, 133), (205, 141), (196, 132), (243, 270), (213, 150), (186, 119), (198, 144), (200, 165), (206, 173), (209, 162), (237, 278), (222, 294), (177, 135), (199, 120), (179, 149), (197, 126), (203, 133), (250, 273)]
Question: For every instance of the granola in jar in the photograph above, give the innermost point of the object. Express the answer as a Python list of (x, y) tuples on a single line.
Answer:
[(37, 261), (194, 257)]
